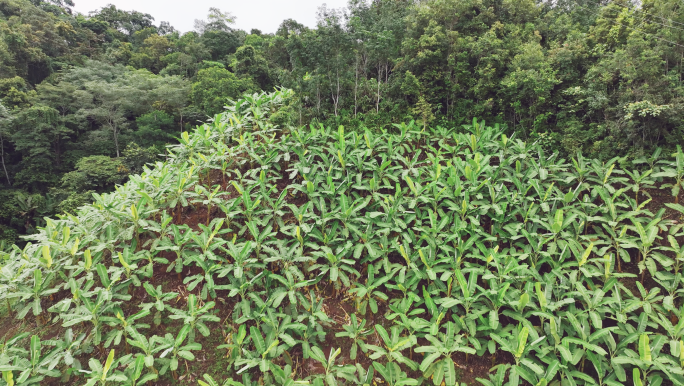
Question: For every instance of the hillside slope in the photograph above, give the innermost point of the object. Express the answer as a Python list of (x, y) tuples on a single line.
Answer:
[(265, 255)]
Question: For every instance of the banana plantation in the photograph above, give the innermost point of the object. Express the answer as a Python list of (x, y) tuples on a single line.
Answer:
[(257, 254)]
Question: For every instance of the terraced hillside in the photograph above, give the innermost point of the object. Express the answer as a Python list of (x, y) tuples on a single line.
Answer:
[(264, 255)]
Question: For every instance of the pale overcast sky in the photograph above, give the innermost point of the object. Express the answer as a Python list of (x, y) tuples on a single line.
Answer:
[(265, 15)]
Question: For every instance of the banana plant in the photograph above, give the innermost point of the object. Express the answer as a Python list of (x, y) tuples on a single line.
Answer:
[(12, 273), (285, 376), (645, 244), (242, 260), (356, 332), (281, 377), (34, 368), (515, 342), (676, 251), (674, 331), (325, 234), (606, 375), (361, 377), (134, 371), (250, 206), (640, 182), (331, 371), (211, 382), (336, 268), (178, 196), (393, 375), (122, 326), (152, 257), (111, 281), (469, 301), (596, 305), (128, 262), (671, 284), (499, 378), (392, 347), (40, 289), (78, 289), (284, 258), (651, 160), (368, 293), (13, 357), (496, 294), (207, 240), (275, 211), (611, 221), (172, 350), (675, 171), (12, 348), (282, 326), (310, 337), (313, 310), (290, 288), (206, 276), (650, 364), (159, 297), (438, 363), (408, 319), (137, 215), (99, 374), (231, 210), (91, 311), (267, 348), (261, 237), (146, 346), (207, 197), (234, 343), (673, 232), (242, 287), (348, 213), (179, 239), (87, 265), (196, 317)]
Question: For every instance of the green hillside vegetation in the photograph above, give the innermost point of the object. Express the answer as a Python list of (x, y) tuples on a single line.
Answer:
[(600, 77), (262, 254)]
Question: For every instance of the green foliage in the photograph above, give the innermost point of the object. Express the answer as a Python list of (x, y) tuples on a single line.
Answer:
[(601, 79), (248, 62), (155, 128), (459, 240), (98, 173), (214, 86)]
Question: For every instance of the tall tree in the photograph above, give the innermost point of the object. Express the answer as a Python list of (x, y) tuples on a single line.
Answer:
[(214, 86), (5, 120)]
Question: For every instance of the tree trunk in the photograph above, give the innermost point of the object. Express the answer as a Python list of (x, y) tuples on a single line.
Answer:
[(356, 85), (58, 158), (377, 103), (116, 138), (2, 159), (337, 99), (318, 99)]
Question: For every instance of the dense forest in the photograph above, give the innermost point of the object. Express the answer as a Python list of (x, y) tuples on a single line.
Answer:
[(88, 99)]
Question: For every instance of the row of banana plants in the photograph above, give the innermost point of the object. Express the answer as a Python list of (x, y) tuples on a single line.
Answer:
[(445, 240)]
